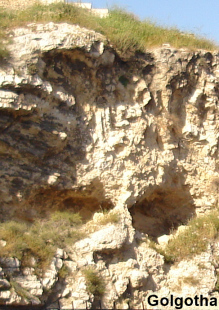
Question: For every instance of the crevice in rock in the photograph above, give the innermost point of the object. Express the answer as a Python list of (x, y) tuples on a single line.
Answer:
[(150, 106), (201, 109), (104, 256), (128, 294), (113, 256)]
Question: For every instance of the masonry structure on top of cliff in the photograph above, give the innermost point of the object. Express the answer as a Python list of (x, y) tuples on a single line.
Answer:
[(21, 4)]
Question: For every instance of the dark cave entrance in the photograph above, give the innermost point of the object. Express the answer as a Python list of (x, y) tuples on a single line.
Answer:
[(162, 210)]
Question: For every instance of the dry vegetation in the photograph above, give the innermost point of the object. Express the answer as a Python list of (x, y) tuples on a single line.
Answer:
[(109, 217), (22, 292), (193, 240), (123, 29), (101, 219), (41, 238), (94, 282)]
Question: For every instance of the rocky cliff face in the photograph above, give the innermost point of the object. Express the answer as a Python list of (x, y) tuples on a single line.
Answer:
[(84, 128)]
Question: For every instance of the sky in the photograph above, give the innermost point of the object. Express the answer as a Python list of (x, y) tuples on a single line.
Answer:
[(195, 16)]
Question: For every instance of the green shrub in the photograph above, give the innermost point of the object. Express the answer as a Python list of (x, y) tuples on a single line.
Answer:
[(123, 80), (13, 233), (4, 53), (64, 272), (95, 284), (217, 283)]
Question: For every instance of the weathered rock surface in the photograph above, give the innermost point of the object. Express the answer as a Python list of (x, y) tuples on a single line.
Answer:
[(85, 129)]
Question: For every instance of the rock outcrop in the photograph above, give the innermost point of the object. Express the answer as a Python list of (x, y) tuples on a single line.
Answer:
[(84, 128)]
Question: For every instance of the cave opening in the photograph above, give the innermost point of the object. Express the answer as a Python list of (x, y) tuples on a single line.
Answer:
[(162, 210), (43, 202)]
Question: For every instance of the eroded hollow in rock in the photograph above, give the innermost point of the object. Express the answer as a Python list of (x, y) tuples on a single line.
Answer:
[(161, 211), (46, 201)]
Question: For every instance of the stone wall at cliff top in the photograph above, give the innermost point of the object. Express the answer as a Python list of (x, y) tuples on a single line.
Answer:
[(21, 4)]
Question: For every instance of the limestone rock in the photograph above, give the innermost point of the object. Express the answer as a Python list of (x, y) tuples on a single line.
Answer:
[(31, 284), (138, 278), (12, 264), (3, 243), (163, 240), (51, 274), (4, 285), (109, 238), (86, 130)]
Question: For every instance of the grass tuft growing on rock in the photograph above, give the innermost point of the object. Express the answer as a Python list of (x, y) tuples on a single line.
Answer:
[(22, 292), (129, 33), (94, 282), (123, 29), (168, 258), (41, 238), (64, 272), (109, 217), (194, 239)]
